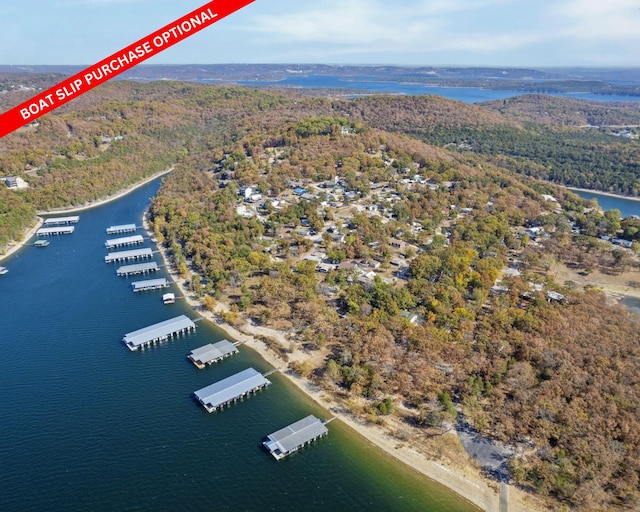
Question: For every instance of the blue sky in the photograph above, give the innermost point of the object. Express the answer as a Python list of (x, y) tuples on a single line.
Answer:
[(522, 33)]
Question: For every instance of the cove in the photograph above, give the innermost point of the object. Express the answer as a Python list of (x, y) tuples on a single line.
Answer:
[(87, 424)]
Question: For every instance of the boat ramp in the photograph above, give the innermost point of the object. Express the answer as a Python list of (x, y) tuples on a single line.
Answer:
[(56, 230), (138, 268), (212, 353), (231, 389), (150, 284), (136, 254), (61, 221), (158, 332), (123, 228), (297, 435), (124, 241)]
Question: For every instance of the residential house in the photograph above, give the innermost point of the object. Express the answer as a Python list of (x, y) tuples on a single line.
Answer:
[(15, 182)]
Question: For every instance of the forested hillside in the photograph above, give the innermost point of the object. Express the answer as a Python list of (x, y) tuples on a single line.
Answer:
[(426, 326), (418, 272), (535, 137)]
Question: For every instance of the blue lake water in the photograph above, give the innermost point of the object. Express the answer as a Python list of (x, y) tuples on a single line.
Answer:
[(87, 425), (464, 94), (626, 206)]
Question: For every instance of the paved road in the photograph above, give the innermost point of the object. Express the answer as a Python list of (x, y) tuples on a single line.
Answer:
[(504, 497)]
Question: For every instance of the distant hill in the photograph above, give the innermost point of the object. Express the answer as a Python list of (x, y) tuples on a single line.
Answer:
[(554, 111)]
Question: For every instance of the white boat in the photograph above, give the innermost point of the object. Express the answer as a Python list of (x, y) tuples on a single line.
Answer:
[(3, 270)]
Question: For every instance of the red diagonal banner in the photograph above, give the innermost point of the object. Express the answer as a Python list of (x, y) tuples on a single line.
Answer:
[(117, 63)]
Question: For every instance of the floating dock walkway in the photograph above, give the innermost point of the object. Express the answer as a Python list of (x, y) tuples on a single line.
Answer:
[(231, 389), (138, 268), (124, 241), (136, 254), (212, 353), (149, 284), (60, 221), (123, 228), (59, 230), (158, 332), (297, 435)]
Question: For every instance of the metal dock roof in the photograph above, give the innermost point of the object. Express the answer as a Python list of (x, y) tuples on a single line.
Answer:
[(150, 284), (156, 332), (56, 221), (289, 439), (212, 352), (138, 268), (126, 240), (134, 254), (123, 228), (60, 230), (232, 388)]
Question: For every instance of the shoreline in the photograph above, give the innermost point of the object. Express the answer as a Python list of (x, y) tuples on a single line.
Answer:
[(15, 246), (599, 192), (467, 483), (108, 199)]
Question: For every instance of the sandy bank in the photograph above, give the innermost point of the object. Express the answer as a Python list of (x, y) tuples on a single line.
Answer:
[(14, 247), (100, 202), (608, 194), (466, 482)]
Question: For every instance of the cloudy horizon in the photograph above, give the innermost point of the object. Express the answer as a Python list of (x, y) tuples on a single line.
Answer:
[(487, 33)]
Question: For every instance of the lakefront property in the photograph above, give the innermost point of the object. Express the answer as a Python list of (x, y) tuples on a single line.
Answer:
[(290, 439), (157, 333), (231, 389)]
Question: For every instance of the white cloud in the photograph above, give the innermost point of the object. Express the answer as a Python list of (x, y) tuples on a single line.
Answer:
[(359, 26), (597, 21)]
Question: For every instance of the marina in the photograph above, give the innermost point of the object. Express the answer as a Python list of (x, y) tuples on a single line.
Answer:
[(158, 332), (136, 410), (123, 228), (59, 230), (61, 221), (136, 254), (124, 241), (137, 268), (231, 389), (290, 439), (150, 284), (212, 353)]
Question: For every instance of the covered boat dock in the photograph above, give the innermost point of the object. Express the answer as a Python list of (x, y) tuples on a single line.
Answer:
[(231, 389), (138, 268), (123, 228), (60, 221), (124, 241), (149, 284), (212, 353), (136, 254), (59, 230), (290, 439), (158, 332)]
